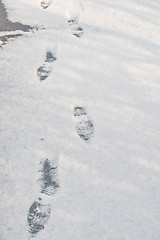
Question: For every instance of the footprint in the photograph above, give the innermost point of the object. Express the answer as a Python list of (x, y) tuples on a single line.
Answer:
[(79, 111), (45, 4), (48, 180), (50, 57), (75, 28), (40, 210), (38, 217), (44, 71), (84, 127)]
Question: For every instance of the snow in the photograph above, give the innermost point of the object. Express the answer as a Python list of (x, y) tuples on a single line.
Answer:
[(109, 185)]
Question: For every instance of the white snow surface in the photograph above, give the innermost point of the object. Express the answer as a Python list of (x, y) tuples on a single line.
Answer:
[(109, 186)]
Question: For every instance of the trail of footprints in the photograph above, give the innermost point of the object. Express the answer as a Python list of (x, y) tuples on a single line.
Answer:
[(75, 28), (40, 210)]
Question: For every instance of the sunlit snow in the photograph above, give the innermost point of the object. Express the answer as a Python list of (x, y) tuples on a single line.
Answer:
[(80, 100)]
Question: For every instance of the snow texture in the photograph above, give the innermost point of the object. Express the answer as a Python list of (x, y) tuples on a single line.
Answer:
[(109, 79)]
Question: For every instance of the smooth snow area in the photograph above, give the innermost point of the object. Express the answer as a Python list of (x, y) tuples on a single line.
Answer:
[(110, 185)]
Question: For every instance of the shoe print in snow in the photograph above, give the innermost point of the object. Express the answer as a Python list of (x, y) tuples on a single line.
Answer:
[(45, 4), (38, 217), (75, 28), (84, 126), (48, 180), (44, 71)]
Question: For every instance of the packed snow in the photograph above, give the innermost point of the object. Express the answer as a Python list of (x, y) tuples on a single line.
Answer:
[(80, 100)]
